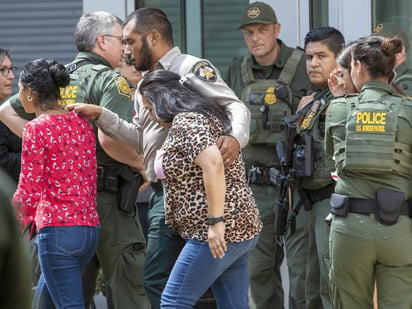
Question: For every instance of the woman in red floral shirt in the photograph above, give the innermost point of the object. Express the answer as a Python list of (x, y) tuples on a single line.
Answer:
[(57, 185)]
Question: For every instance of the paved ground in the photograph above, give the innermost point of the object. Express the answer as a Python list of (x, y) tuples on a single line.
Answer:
[(100, 300)]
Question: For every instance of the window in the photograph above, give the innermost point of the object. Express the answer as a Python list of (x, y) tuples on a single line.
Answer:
[(221, 39), (319, 13), (398, 12)]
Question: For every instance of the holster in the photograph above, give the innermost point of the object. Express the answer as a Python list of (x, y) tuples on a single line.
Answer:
[(303, 156), (107, 179), (304, 198), (339, 205), (130, 183), (389, 205)]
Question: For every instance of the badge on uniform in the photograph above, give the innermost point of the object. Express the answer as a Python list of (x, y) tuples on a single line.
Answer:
[(204, 71), (270, 96), (122, 86)]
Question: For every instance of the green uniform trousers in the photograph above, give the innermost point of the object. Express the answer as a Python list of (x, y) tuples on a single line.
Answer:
[(297, 257), (362, 250), (317, 269), (266, 258), (163, 248), (121, 253)]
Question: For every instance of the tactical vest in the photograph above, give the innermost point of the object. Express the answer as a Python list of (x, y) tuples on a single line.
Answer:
[(323, 165), (405, 82), (370, 142), (77, 91), (269, 100), (339, 109)]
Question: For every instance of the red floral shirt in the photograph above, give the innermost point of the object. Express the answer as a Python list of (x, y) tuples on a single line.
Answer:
[(57, 185)]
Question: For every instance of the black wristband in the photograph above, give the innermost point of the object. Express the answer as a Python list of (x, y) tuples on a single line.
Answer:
[(213, 220)]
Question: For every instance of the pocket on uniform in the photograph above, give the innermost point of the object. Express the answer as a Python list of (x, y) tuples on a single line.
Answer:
[(253, 131)]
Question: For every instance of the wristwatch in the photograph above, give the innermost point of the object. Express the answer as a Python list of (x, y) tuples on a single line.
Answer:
[(213, 220)]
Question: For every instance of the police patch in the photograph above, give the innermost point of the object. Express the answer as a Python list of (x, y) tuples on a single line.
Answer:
[(204, 71), (122, 86), (253, 12), (270, 96)]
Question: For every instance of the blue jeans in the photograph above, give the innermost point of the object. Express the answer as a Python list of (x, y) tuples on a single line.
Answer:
[(63, 252), (196, 270)]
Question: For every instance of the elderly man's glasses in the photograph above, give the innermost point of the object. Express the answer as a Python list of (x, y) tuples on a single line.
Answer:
[(115, 36), (5, 71)]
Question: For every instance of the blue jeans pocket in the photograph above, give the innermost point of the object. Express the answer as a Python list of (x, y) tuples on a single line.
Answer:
[(71, 240)]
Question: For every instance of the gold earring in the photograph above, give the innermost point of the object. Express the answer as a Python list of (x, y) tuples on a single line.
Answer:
[(29, 98)]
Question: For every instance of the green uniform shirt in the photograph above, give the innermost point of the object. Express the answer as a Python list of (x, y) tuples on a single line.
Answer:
[(99, 85), (404, 78), (361, 184), (262, 154), (15, 281)]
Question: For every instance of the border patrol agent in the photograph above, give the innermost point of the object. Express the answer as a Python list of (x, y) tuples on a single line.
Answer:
[(371, 138), (322, 45), (147, 33), (15, 281), (403, 73), (271, 86), (121, 248)]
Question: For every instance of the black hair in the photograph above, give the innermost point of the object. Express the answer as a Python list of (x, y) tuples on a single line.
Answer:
[(345, 56), (45, 78), (377, 54), (329, 36), (169, 96), (148, 19)]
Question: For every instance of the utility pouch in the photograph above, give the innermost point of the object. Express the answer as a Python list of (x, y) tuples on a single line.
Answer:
[(389, 204), (339, 205), (258, 175), (111, 181), (303, 195), (130, 183), (100, 178), (274, 176)]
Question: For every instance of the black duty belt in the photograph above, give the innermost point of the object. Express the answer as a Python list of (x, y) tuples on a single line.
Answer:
[(368, 206), (315, 196), (157, 186)]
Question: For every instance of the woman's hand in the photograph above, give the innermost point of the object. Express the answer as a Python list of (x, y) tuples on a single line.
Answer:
[(216, 239), (89, 111), (336, 84)]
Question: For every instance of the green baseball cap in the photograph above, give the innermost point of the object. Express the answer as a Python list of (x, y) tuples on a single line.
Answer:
[(389, 30), (258, 13)]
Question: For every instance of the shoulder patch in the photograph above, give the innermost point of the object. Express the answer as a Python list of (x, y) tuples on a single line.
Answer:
[(122, 86), (204, 71)]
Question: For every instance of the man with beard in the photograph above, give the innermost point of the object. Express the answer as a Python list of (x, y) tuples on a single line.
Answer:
[(98, 38), (147, 34)]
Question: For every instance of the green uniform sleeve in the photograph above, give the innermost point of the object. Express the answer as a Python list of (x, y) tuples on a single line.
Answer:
[(14, 254), (113, 92), (18, 108)]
